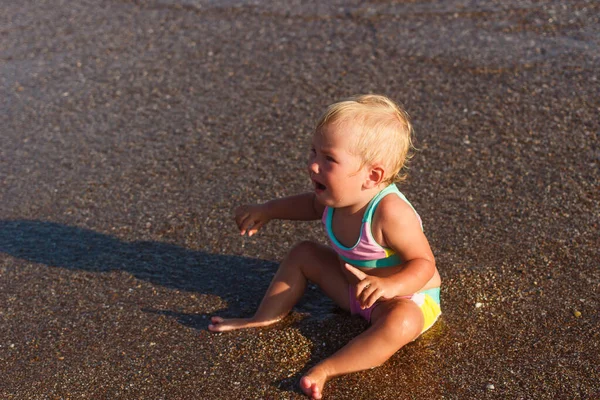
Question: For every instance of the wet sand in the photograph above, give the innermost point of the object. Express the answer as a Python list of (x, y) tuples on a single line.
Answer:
[(130, 130)]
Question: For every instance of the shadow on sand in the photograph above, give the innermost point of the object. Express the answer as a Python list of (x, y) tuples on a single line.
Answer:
[(239, 281)]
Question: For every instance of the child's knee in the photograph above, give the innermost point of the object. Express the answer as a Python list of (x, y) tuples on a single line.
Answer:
[(403, 319), (309, 257), (303, 251)]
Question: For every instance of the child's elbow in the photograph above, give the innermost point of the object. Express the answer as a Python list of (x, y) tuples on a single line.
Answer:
[(429, 268)]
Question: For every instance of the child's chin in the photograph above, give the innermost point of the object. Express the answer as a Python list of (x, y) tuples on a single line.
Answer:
[(324, 198)]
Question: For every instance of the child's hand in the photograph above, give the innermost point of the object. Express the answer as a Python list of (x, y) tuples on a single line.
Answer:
[(251, 217), (370, 288)]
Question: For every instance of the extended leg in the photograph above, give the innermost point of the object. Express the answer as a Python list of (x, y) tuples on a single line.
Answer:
[(307, 261), (394, 324)]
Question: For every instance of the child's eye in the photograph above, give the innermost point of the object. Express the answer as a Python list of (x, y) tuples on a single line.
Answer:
[(329, 158)]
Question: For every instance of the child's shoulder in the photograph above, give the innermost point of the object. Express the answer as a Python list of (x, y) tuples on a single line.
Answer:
[(395, 209)]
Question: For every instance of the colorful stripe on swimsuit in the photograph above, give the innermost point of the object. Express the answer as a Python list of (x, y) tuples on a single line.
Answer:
[(366, 252), (427, 300)]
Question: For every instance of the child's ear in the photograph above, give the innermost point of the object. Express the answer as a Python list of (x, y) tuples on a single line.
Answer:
[(375, 177)]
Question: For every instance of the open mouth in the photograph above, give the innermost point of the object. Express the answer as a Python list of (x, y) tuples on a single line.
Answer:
[(319, 187)]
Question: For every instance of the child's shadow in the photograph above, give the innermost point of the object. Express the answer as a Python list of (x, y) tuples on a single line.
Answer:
[(239, 281)]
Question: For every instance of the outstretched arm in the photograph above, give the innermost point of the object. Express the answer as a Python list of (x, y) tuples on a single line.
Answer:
[(251, 217)]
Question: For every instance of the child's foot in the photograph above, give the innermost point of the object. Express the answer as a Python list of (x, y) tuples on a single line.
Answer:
[(222, 325), (312, 383)]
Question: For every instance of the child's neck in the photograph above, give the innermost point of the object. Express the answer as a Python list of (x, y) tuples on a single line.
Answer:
[(361, 204)]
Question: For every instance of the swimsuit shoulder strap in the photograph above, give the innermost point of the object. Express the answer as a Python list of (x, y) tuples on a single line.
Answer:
[(375, 201)]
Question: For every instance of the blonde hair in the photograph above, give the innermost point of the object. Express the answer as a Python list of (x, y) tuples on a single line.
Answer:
[(385, 131)]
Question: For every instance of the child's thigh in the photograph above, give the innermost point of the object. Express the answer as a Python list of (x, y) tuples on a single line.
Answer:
[(320, 264)]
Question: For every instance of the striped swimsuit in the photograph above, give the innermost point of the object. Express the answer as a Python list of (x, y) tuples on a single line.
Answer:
[(368, 253)]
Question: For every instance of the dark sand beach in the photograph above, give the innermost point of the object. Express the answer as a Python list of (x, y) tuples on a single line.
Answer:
[(131, 129)]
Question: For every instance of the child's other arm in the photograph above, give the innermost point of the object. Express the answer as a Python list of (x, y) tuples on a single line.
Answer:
[(251, 217), (400, 231)]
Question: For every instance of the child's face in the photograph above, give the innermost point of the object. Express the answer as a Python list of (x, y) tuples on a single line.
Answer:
[(334, 169)]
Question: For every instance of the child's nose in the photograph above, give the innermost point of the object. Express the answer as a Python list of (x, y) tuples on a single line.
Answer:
[(313, 167)]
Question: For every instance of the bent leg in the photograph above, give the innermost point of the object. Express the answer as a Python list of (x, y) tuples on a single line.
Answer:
[(395, 323), (307, 261)]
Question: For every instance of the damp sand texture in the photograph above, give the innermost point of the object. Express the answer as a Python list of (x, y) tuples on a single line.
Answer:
[(130, 130)]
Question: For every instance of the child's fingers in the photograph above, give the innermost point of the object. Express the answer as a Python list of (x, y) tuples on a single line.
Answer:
[(372, 298), (355, 271), (363, 285), (255, 228), (246, 224), (240, 218), (364, 289)]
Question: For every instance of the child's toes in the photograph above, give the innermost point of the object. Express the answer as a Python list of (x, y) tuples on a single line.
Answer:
[(316, 392), (215, 326), (306, 384), (310, 388)]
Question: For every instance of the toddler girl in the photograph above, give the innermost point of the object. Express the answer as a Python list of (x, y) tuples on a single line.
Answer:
[(379, 264)]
